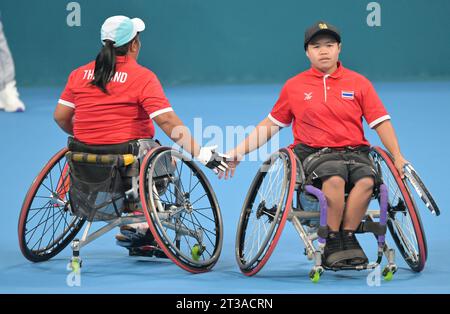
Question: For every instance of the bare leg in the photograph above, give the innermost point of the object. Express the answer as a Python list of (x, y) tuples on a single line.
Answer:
[(334, 189), (357, 203)]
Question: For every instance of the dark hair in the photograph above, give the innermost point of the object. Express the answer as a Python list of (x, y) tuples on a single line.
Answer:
[(105, 63)]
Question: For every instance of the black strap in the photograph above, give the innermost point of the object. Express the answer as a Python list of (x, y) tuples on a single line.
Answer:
[(130, 147), (323, 232), (314, 160), (372, 227), (118, 213)]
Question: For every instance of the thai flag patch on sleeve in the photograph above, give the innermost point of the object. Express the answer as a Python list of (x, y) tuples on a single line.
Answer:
[(348, 95)]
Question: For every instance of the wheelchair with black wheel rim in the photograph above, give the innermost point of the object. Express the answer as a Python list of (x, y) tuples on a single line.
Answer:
[(124, 185), (277, 195)]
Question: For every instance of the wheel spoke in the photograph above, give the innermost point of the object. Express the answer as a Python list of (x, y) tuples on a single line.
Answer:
[(184, 220), (402, 224)]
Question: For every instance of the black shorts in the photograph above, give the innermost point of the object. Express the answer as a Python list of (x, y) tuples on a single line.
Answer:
[(349, 165)]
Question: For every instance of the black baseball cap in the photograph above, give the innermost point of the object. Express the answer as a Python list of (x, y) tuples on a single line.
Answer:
[(321, 27)]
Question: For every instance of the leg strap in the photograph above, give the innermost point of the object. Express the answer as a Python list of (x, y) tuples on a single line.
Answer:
[(372, 227)]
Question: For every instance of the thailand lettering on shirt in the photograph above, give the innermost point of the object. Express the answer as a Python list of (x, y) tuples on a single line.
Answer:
[(119, 77)]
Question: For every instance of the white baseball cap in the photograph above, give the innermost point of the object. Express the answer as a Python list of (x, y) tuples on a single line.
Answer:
[(121, 29)]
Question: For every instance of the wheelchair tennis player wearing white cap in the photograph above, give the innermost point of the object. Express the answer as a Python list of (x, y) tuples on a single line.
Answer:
[(113, 100)]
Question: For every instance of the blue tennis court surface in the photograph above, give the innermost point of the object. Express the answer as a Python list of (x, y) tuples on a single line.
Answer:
[(420, 114)]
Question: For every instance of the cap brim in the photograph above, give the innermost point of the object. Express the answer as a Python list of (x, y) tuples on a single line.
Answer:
[(326, 32), (323, 32), (139, 24)]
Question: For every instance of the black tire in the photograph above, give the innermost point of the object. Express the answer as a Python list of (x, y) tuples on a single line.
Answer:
[(264, 213), (404, 223), (181, 207), (48, 197)]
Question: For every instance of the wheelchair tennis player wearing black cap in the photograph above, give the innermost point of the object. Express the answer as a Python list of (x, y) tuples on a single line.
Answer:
[(332, 163)]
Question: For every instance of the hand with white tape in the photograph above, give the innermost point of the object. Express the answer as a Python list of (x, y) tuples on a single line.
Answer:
[(212, 159)]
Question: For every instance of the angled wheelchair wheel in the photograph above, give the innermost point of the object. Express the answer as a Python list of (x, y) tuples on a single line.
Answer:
[(265, 211), (46, 223), (181, 209), (404, 221)]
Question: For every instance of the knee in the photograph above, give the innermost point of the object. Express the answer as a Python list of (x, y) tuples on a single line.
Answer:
[(334, 183), (366, 184)]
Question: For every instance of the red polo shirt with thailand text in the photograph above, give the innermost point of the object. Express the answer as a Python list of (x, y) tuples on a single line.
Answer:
[(135, 96), (327, 110)]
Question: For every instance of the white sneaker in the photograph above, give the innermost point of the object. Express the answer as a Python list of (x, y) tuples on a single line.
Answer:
[(9, 99)]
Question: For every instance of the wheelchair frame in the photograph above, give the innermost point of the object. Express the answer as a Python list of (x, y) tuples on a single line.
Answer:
[(59, 199), (295, 215)]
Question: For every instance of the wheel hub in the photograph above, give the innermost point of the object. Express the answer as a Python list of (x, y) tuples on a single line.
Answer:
[(263, 210)]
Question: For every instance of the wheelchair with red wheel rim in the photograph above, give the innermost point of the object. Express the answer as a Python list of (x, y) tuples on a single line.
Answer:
[(277, 195), (118, 186)]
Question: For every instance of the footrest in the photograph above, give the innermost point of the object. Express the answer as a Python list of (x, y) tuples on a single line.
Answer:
[(350, 267), (373, 227)]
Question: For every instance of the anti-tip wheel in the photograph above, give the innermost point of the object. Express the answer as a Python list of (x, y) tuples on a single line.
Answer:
[(315, 275), (76, 264), (388, 273), (197, 252)]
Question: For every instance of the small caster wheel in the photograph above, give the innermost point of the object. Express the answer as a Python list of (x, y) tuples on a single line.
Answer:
[(315, 274), (388, 276), (197, 251), (388, 273), (76, 264)]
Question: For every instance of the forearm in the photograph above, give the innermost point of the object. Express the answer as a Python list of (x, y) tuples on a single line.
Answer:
[(180, 134), (388, 137), (257, 138)]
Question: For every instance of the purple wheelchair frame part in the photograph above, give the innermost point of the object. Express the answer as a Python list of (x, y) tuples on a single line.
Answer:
[(323, 206), (383, 212)]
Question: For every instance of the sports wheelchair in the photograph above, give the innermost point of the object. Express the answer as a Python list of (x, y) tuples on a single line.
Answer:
[(134, 182), (279, 193)]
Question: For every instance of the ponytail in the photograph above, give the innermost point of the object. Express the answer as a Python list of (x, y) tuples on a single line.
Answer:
[(105, 63), (105, 66)]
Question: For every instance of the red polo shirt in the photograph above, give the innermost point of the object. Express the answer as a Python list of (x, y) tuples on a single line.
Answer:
[(327, 110), (135, 98)]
